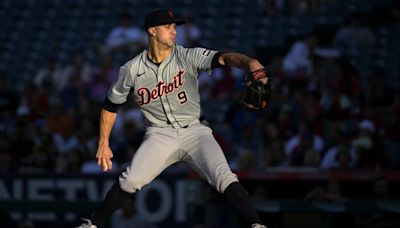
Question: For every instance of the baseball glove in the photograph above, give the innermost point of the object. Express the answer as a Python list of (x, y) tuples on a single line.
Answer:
[(256, 94)]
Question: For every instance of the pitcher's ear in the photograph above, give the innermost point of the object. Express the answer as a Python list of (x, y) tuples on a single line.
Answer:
[(151, 31)]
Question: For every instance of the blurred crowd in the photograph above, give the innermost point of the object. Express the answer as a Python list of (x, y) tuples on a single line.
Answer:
[(324, 112)]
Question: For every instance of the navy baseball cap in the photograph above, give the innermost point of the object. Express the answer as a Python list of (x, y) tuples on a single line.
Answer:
[(161, 17)]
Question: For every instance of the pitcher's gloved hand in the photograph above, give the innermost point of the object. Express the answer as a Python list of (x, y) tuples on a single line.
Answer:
[(257, 93)]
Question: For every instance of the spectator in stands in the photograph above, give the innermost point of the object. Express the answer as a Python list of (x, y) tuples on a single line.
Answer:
[(34, 104), (49, 75), (272, 154), (369, 146), (344, 155), (353, 37), (336, 105), (302, 143), (61, 125), (73, 92), (125, 36), (318, 79), (78, 70), (342, 100), (298, 62)]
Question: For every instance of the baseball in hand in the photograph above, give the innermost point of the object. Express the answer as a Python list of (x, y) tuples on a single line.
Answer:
[(105, 165)]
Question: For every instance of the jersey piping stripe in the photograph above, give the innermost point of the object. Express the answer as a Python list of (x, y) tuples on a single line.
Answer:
[(151, 66), (206, 52), (166, 98)]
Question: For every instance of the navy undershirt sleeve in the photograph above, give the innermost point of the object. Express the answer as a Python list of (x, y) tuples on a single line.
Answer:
[(111, 107), (215, 63)]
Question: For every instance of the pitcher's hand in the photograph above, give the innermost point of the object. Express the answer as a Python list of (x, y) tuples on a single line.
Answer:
[(104, 155)]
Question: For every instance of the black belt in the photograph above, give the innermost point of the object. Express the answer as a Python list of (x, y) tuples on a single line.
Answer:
[(201, 119), (169, 123), (186, 126)]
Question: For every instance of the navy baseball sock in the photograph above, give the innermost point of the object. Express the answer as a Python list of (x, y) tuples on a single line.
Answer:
[(114, 200), (239, 199)]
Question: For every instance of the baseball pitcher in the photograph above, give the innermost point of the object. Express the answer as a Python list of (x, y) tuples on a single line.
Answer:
[(163, 80)]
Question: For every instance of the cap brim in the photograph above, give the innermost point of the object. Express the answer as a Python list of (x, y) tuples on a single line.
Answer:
[(176, 21), (179, 22)]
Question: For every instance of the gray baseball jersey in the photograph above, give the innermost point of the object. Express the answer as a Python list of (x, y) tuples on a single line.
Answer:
[(168, 93), (169, 99)]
